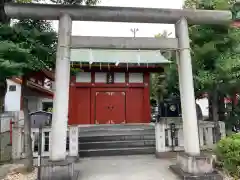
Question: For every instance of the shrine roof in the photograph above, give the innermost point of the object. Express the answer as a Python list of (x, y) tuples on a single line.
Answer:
[(118, 56), (35, 87)]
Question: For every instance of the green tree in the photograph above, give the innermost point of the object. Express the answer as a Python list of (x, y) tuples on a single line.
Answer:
[(26, 47), (6, 20), (215, 60), (165, 84)]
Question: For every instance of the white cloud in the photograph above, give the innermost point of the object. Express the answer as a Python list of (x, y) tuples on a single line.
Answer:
[(123, 29)]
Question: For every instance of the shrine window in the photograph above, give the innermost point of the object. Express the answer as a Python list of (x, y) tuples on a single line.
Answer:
[(100, 77), (119, 78), (135, 77), (83, 77), (12, 88)]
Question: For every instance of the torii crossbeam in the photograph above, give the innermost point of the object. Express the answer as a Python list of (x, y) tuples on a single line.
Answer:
[(117, 14)]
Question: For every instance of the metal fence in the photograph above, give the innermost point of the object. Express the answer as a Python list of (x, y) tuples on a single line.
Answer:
[(6, 137)]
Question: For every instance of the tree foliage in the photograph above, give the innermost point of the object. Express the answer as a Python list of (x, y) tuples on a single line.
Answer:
[(36, 49), (165, 84), (215, 54), (215, 59), (24, 49), (216, 65)]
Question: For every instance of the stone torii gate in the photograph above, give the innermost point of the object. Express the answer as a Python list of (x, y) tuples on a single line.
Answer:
[(68, 13)]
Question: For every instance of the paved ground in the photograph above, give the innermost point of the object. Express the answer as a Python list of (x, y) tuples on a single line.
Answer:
[(141, 167)]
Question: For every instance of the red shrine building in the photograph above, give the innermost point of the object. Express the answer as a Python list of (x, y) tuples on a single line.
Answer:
[(113, 86)]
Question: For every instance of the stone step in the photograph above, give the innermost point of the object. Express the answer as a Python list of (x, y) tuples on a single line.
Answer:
[(122, 139), (116, 151), (116, 137), (116, 127), (118, 132), (116, 144)]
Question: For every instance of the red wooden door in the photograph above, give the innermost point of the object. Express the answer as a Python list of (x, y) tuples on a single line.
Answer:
[(118, 114), (110, 107), (102, 108)]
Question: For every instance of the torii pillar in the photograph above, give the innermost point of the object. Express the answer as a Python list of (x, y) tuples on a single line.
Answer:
[(61, 95), (188, 105)]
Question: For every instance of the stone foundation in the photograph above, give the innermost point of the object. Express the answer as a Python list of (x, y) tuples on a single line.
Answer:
[(195, 167), (58, 170)]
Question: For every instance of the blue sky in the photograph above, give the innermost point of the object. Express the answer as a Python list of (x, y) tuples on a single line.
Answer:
[(123, 29)]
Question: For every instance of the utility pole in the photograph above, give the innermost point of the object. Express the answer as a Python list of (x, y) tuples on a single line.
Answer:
[(134, 31)]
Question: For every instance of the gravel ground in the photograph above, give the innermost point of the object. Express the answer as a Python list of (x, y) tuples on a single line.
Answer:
[(226, 177), (33, 176), (16, 172), (21, 176)]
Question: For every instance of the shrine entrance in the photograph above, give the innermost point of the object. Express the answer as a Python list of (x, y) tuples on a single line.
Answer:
[(110, 107), (70, 47)]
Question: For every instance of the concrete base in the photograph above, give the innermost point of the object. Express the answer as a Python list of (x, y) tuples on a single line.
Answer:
[(195, 164), (188, 176), (195, 167), (58, 170)]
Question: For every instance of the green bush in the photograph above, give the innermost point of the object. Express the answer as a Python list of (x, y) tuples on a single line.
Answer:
[(228, 154)]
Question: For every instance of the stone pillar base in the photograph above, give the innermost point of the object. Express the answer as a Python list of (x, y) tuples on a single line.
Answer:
[(195, 167), (58, 170)]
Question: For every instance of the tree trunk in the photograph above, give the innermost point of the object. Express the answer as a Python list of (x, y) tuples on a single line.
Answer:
[(215, 115), (210, 99), (233, 106), (221, 103), (27, 129), (3, 90)]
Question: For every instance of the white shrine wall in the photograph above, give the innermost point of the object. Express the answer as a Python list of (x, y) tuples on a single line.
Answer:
[(101, 77), (13, 99)]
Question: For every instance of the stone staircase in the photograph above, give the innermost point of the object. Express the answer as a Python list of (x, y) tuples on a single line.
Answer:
[(109, 140)]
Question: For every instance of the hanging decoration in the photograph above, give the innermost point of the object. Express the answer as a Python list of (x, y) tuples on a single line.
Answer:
[(147, 62), (91, 59), (138, 57), (80, 64)]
